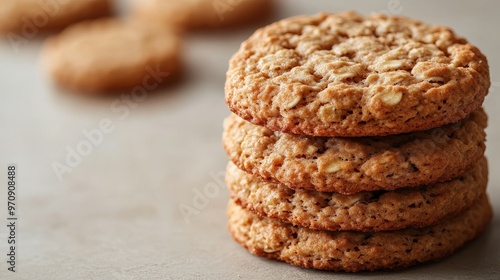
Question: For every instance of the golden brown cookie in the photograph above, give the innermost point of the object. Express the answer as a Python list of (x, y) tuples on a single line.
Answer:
[(202, 13), (348, 75), (30, 16), (112, 54), (356, 251), (350, 165), (365, 211)]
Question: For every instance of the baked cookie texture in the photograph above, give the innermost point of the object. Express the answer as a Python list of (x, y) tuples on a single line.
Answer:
[(356, 143), (34, 15), (112, 54), (348, 75), (195, 14), (356, 251), (351, 165), (365, 211)]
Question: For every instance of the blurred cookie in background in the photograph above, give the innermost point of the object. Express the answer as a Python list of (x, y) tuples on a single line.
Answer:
[(199, 14), (106, 55), (33, 15)]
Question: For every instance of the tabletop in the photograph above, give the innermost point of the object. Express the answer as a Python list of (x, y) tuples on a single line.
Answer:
[(116, 212)]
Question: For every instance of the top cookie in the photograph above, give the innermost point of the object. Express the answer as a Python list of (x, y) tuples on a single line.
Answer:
[(347, 75)]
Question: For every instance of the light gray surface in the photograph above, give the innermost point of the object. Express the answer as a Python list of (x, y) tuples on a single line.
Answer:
[(116, 216)]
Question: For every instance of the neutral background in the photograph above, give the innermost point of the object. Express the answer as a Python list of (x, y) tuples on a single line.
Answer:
[(116, 215)]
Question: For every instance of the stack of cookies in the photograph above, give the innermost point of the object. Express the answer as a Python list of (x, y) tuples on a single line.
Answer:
[(356, 143)]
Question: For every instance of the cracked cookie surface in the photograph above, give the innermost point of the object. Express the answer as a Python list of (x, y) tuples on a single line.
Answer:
[(365, 211), (348, 75), (350, 165), (356, 251)]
